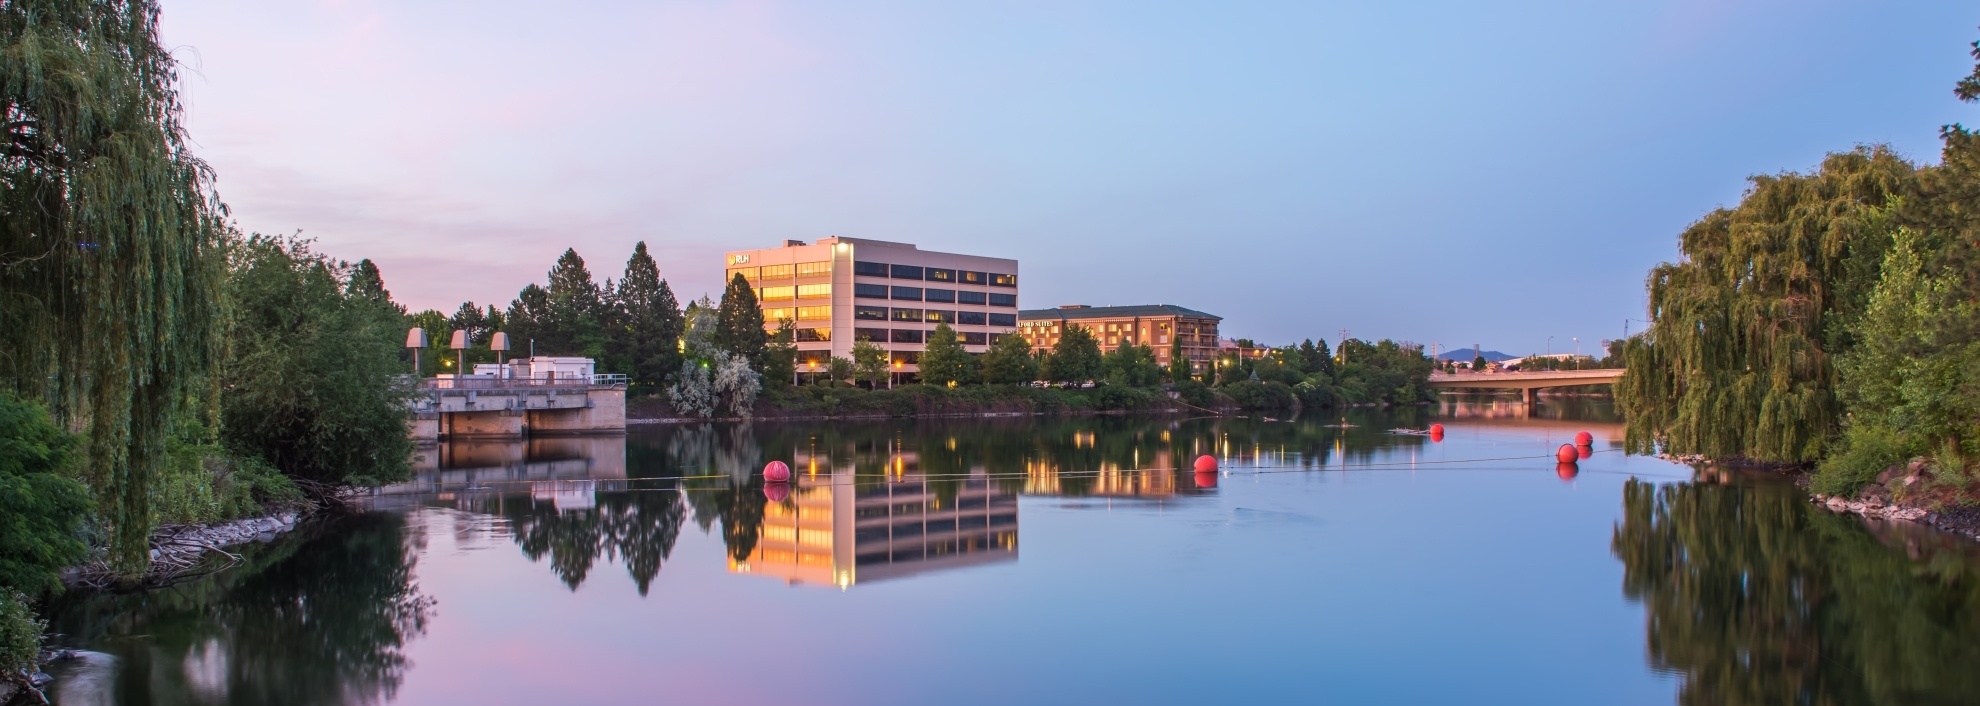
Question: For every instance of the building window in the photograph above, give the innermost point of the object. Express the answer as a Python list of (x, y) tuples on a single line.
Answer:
[(941, 317), (902, 335), (776, 294), (814, 269), (906, 358), (814, 313), (870, 291), (1003, 300), (907, 315), (779, 271), (771, 316), (938, 275), (976, 298), (820, 358), (911, 294), (974, 278), (1003, 319), (748, 273), (973, 338), (813, 291), (995, 337), (905, 272), (812, 335), (877, 335), (870, 269), (997, 280), (940, 295), (870, 313), (970, 318)]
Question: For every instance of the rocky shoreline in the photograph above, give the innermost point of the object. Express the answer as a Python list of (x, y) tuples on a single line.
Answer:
[(177, 550), (1879, 501)]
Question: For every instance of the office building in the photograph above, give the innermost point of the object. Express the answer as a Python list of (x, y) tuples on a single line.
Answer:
[(840, 290), (1151, 325)]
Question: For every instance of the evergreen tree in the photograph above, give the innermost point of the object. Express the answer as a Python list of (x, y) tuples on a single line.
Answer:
[(943, 360), (528, 316), (1009, 361), (739, 323), (649, 334), (577, 313), (1076, 358), (368, 283), (1479, 363)]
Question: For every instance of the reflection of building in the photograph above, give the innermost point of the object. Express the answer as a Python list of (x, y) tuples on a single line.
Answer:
[(562, 470), (1153, 476), (1115, 326), (839, 290), (833, 532)]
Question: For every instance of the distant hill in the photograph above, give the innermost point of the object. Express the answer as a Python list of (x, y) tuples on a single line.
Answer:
[(1465, 355)]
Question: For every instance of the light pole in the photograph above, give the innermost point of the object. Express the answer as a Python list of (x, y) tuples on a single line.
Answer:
[(1550, 345), (416, 339)]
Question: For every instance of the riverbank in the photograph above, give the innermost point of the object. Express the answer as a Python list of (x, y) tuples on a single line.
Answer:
[(184, 551), (1907, 493), (822, 402)]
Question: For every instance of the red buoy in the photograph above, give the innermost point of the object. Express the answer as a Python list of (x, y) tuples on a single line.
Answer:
[(1437, 434), (776, 472), (1206, 464), (1206, 479), (1584, 451), (1567, 471), (1437, 429), (1584, 439), (1566, 454), (776, 492)]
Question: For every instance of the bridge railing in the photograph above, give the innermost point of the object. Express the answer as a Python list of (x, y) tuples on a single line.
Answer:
[(490, 382)]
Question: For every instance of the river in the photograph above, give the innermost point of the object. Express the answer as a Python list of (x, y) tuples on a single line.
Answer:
[(1063, 561)]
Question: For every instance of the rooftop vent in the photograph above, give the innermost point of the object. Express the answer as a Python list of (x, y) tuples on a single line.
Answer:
[(793, 243), (1074, 306)]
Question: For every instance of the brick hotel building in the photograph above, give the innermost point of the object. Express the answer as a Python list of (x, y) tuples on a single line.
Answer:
[(1151, 325), (839, 290)]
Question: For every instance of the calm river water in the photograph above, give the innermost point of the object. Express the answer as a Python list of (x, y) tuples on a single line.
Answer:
[(1063, 561)]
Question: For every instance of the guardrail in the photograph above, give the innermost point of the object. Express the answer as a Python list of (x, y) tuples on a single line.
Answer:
[(490, 382)]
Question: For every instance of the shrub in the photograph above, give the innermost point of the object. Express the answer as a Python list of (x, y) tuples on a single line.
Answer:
[(41, 508), (204, 483), (20, 633)]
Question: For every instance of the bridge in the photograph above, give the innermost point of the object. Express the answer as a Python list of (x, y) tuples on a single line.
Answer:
[(1526, 383), (454, 408)]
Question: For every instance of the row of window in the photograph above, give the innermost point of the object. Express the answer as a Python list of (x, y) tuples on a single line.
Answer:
[(946, 296), (907, 335), (820, 268), (787, 293), (933, 316), (802, 313), (933, 274)]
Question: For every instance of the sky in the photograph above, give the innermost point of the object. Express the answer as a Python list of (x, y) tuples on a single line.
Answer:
[(1453, 173)]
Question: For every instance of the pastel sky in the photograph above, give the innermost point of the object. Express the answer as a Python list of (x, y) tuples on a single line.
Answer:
[(1449, 172)]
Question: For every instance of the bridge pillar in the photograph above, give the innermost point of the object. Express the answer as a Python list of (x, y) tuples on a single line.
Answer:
[(1532, 396)]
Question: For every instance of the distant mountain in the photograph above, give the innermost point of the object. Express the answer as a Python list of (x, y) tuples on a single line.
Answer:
[(1465, 355)]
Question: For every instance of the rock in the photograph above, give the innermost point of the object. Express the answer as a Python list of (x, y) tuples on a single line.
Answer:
[(1874, 495), (1838, 504), (1889, 473), (1916, 465)]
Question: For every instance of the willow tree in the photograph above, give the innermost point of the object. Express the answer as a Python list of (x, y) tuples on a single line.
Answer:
[(108, 228), (1740, 359)]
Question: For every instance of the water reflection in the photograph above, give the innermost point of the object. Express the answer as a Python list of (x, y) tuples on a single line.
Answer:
[(1757, 597), (317, 620)]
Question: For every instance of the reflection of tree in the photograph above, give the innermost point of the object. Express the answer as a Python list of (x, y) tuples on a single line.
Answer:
[(639, 525), (1757, 598), (318, 621)]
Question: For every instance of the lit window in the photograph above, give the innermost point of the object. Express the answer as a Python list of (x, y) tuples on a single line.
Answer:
[(747, 273), (870, 313), (997, 280), (941, 317), (974, 277), (814, 269), (907, 315), (814, 313), (775, 315), (814, 334), (776, 294), (813, 291), (939, 275), (779, 271)]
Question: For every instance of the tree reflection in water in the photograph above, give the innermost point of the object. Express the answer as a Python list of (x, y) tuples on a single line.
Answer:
[(1757, 597), (322, 620)]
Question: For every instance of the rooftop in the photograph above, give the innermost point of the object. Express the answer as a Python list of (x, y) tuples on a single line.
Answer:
[(1081, 311)]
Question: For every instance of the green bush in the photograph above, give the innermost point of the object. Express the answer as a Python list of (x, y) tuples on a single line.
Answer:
[(1866, 451), (203, 483), (41, 508), (20, 633), (1251, 394)]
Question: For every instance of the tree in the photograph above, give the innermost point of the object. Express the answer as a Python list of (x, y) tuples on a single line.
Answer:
[(41, 507), (1740, 359), (1178, 362), (1009, 361), (367, 282), (739, 323), (1317, 359), (311, 380), (840, 370), (869, 363), (529, 315), (943, 360), (779, 362), (1076, 358), (110, 229), (575, 311), (649, 331), (1479, 363), (1132, 365)]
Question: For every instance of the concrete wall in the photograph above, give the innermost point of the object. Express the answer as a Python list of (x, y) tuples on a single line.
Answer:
[(605, 413)]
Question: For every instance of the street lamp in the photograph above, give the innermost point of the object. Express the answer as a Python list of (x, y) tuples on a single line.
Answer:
[(500, 344), (416, 339)]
